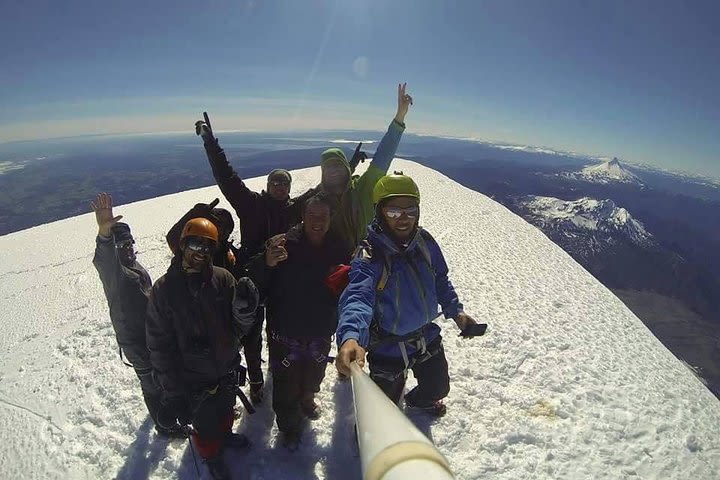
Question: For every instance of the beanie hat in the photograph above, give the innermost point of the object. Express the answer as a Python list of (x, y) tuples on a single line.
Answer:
[(279, 174)]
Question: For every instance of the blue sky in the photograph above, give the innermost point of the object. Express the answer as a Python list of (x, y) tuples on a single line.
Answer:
[(634, 79)]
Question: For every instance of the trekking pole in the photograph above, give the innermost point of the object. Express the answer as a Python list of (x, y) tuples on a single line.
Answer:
[(187, 429)]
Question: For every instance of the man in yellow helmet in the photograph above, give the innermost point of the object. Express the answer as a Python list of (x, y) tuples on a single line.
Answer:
[(397, 280), (197, 315)]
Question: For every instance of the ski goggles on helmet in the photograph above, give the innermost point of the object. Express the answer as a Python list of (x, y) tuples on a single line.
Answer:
[(200, 245), (397, 212)]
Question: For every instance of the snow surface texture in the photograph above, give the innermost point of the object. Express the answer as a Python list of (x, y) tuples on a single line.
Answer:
[(567, 383), (608, 172), (587, 214)]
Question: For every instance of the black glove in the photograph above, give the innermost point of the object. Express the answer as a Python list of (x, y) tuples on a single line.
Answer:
[(173, 411), (205, 210), (247, 297), (357, 157)]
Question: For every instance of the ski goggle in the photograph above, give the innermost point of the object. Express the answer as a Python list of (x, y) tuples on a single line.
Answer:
[(200, 245), (397, 212)]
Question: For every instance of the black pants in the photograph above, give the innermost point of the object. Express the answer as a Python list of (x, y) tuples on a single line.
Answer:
[(139, 356), (212, 418), (431, 374), (298, 378), (252, 344)]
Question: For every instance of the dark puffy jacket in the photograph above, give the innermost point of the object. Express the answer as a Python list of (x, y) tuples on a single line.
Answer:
[(261, 216), (126, 289), (298, 302), (195, 323)]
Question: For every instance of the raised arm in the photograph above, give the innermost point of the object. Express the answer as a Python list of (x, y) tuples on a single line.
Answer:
[(387, 148), (240, 197), (106, 260)]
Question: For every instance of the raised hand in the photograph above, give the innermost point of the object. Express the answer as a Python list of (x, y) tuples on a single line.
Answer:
[(204, 129), (358, 157), (102, 206), (404, 102)]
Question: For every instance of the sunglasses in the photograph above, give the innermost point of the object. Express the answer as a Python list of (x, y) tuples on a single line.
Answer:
[(397, 212), (200, 245), (280, 183)]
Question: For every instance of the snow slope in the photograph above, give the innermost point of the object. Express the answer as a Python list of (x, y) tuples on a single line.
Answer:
[(567, 383)]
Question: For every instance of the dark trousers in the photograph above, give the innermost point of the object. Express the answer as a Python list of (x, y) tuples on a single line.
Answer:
[(296, 374), (212, 418), (431, 374), (252, 344), (139, 357)]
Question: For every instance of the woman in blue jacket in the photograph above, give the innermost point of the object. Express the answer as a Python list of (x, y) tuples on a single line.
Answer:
[(397, 280)]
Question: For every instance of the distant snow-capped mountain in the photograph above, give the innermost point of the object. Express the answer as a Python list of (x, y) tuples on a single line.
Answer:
[(608, 172), (588, 223)]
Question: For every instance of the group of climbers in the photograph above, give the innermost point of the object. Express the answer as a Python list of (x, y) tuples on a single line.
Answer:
[(183, 335)]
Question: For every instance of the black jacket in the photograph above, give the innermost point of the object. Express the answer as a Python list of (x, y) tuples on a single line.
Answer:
[(126, 290), (195, 323), (261, 216), (298, 302)]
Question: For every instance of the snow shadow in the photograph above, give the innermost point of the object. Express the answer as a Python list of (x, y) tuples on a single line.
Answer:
[(143, 455), (320, 456)]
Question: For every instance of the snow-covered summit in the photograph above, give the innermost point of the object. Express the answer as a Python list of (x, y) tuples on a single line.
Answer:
[(586, 214), (608, 172), (566, 384)]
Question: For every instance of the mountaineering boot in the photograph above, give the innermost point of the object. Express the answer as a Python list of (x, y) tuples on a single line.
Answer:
[(171, 433), (256, 392), (434, 409), (291, 439), (217, 468), (236, 441), (309, 408)]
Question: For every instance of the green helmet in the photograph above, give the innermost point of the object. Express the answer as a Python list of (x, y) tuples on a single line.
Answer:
[(395, 185)]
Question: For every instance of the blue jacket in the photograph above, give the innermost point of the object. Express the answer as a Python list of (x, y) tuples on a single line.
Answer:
[(412, 292)]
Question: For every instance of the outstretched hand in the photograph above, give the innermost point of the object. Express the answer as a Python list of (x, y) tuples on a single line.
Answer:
[(404, 102), (102, 206), (350, 351), (463, 320)]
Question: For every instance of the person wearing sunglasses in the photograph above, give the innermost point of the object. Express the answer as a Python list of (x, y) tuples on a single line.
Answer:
[(127, 286), (233, 259), (302, 313), (197, 316), (352, 194), (398, 278)]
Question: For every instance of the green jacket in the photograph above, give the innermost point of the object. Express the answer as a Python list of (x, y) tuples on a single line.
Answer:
[(355, 209)]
